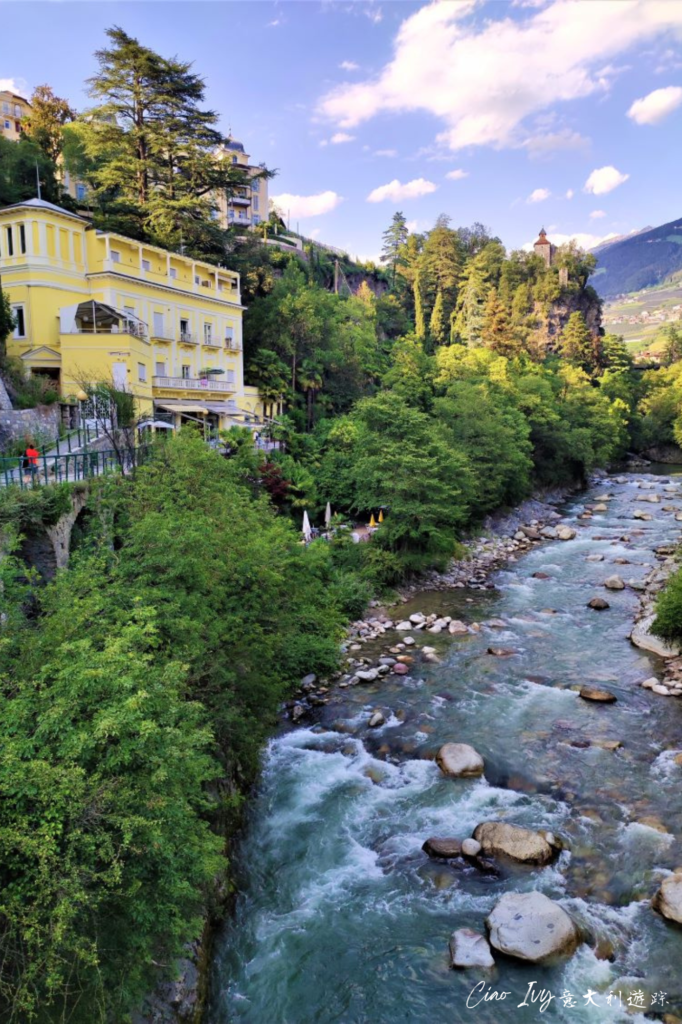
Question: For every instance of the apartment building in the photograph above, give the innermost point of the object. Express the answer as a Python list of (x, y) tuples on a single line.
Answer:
[(92, 305), (249, 205), (13, 108)]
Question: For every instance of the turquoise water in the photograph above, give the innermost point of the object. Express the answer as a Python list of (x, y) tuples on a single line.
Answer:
[(342, 918)]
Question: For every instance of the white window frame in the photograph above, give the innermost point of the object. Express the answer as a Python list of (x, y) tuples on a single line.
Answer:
[(19, 307), (142, 373), (208, 333), (115, 255), (146, 265)]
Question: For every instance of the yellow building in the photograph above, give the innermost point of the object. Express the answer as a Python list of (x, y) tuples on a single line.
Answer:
[(93, 305), (12, 109), (249, 204)]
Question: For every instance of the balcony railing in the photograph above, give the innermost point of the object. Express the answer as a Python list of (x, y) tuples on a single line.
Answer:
[(194, 383), (187, 338), (211, 341)]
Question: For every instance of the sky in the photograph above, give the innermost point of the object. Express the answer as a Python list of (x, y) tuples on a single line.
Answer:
[(515, 113)]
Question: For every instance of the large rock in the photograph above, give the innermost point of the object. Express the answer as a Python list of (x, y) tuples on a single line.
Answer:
[(405, 625), (668, 899), (469, 949), (641, 636), (456, 627), (530, 926), (614, 583), (445, 848), (565, 533), (598, 603), (498, 838), (459, 760), (597, 695)]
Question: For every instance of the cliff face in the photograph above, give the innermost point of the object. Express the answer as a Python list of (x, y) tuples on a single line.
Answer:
[(554, 317)]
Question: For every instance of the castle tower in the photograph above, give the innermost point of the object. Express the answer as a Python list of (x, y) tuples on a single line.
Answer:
[(544, 248)]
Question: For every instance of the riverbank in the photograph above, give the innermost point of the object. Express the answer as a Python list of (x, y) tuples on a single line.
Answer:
[(354, 792)]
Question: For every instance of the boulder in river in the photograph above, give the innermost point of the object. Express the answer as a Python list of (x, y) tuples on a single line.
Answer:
[(642, 515), (565, 533), (444, 848), (668, 899), (499, 838), (641, 636), (597, 695), (530, 926), (459, 760), (456, 628), (405, 625), (598, 603), (400, 669), (469, 949), (471, 847), (594, 558), (541, 576), (614, 583), (501, 652), (377, 719)]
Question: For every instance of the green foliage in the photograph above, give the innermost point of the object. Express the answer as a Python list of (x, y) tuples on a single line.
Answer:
[(49, 114), (668, 621), (18, 179), (156, 663), (578, 345)]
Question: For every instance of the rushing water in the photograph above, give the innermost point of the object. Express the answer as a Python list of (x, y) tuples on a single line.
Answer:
[(344, 919)]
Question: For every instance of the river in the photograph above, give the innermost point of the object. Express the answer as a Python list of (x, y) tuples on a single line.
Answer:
[(342, 917)]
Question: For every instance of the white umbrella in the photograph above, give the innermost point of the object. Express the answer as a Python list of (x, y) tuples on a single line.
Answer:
[(306, 527), (328, 515)]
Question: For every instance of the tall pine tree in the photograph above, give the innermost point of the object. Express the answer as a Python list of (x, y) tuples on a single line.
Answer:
[(394, 238)]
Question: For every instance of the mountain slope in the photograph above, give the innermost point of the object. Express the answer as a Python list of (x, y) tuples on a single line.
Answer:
[(638, 261)]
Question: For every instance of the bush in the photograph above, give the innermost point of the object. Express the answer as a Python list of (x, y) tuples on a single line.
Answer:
[(668, 621)]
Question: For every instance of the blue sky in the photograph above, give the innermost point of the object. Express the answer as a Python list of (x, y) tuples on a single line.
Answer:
[(516, 113)]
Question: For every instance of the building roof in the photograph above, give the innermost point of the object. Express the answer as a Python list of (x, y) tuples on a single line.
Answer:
[(14, 95), (233, 144), (542, 238), (41, 204)]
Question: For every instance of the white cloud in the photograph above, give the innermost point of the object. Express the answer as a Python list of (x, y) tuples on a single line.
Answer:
[(483, 79), (546, 143), (306, 206), (597, 214), (340, 137), (582, 238), (656, 106), (604, 180), (375, 14), (570, 193), (538, 195), (411, 225), (386, 152), (396, 191), (17, 85), (274, 23), (349, 65), (457, 175)]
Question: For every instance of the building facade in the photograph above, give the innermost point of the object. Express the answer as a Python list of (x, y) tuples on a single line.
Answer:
[(249, 205), (544, 248), (13, 108), (93, 306)]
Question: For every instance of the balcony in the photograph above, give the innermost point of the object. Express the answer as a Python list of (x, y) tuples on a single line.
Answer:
[(211, 342), (194, 384), (239, 201), (187, 338)]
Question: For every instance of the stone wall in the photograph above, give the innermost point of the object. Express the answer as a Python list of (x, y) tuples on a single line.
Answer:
[(16, 424)]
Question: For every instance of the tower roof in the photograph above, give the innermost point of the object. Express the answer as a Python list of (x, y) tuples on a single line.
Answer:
[(42, 204), (542, 238)]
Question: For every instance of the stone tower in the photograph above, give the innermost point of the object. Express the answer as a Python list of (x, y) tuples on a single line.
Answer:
[(544, 248)]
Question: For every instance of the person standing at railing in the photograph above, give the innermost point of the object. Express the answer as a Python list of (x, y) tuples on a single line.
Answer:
[(31, 456)]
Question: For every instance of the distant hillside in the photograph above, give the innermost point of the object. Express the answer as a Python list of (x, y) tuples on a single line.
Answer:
[(640, 260)]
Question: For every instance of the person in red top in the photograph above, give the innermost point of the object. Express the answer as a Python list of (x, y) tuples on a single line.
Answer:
[(31, 456)]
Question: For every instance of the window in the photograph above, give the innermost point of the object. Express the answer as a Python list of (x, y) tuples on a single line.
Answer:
[(10, 242), (159, 327), (5, 108), (186, 371), (256, 218), (20, 321), (115, 256), (229, 336), (230, 376), (17, 126), (208, 333), (172, 272), (146, 265), (22, 238), (160, 369), (8, 124), (255, 184), (255, 202), (81, 191), (17, 110), (230, 213), (234, 159), (141, 372)]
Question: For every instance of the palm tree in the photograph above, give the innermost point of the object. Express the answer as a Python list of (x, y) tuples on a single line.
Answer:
[(310, 380)]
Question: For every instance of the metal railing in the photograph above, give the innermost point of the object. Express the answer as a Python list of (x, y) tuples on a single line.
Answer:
[(194, 383), (187, 338), (66, 468)]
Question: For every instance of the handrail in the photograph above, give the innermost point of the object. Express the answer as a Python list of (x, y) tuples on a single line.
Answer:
[(68, 467)]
